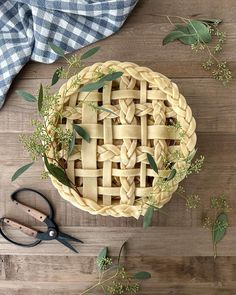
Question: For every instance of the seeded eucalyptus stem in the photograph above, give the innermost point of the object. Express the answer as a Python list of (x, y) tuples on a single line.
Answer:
[(100, 283), (197, 33)]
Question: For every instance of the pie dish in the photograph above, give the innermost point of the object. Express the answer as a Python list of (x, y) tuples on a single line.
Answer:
[(127, 119)]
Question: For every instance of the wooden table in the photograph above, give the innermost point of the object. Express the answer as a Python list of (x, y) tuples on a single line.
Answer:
[(176, 249)]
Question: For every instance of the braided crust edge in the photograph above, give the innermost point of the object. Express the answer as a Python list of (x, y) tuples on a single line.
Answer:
[(183, 114)]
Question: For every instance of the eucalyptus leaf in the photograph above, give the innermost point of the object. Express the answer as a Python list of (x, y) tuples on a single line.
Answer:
[(191, 155), (152, 163), (56, 49), (199, 28), (219, 228), (188, 39), (111, 77), (57, 172), (121, 248), (101, 256), (56, 76), (101, 82), (147, 220), (174, 35), (91, 86), (142, 275), (21, 170), (105, 110), (82, 132), (158, 209), (171, 175), (71, 144), (90, 52), (26, 95), (40, 98)]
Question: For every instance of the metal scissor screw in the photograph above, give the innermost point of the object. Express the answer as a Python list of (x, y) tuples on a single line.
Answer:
[(51, 233)]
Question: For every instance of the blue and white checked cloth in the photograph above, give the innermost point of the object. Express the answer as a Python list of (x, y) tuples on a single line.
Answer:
[(27, 26)]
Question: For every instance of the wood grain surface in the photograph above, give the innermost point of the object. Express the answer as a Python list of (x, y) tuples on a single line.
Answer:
[(176, 249)]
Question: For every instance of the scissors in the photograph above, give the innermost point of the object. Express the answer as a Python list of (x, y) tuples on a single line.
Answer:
[(52, 233)]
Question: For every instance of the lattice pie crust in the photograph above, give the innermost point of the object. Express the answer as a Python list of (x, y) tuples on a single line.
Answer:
[(112, 172)]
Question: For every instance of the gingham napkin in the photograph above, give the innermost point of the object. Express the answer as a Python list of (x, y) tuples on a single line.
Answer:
[(27, 27)]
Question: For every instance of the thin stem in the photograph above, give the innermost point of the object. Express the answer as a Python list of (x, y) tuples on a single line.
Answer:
[(181, 195), (184, 19), (89, 289), (99, 284)]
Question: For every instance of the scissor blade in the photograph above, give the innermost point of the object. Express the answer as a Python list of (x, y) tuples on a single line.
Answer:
[(65, 243), (68, 237)]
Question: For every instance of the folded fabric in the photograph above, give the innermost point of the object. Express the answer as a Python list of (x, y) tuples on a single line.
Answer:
[(27, 27)]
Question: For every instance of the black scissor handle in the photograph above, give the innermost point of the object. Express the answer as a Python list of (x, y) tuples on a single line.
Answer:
[(29, 210), (33, 244)]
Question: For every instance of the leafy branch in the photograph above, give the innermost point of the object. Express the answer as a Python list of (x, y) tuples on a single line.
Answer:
[(218, 222), (55, 141), (199, 33), (162, 184), (113, 278)]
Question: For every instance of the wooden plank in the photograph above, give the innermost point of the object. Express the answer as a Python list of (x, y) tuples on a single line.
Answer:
[(161, 241), (56, 288), (173, 60), (176, 250), (81, 269), (149, 10), (181, 273)]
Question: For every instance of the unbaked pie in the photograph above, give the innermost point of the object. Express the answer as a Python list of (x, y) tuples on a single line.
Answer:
[(136, 115)]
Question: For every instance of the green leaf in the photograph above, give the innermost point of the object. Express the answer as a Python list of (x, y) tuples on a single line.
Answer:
[(100, 83), (82, 132), (195, 26), (188, 39), (56, 49), (91, 86), (174, 35), (152, 163), (191, 155), (26, 95), (121, 248), (159, 209), (71, 144), (40, 98), (142, 275), (56, 76), (90, 52), (147, 220), (219, 228), (21, 170), (172, 175), (101, 256), (105, 110), (111, 77), (57, 172)]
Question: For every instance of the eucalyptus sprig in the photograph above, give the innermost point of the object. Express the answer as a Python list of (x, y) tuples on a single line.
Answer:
[(113, 278), (191, 201), (162, 184), (218, 221), (199, 33), (56, 141)]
